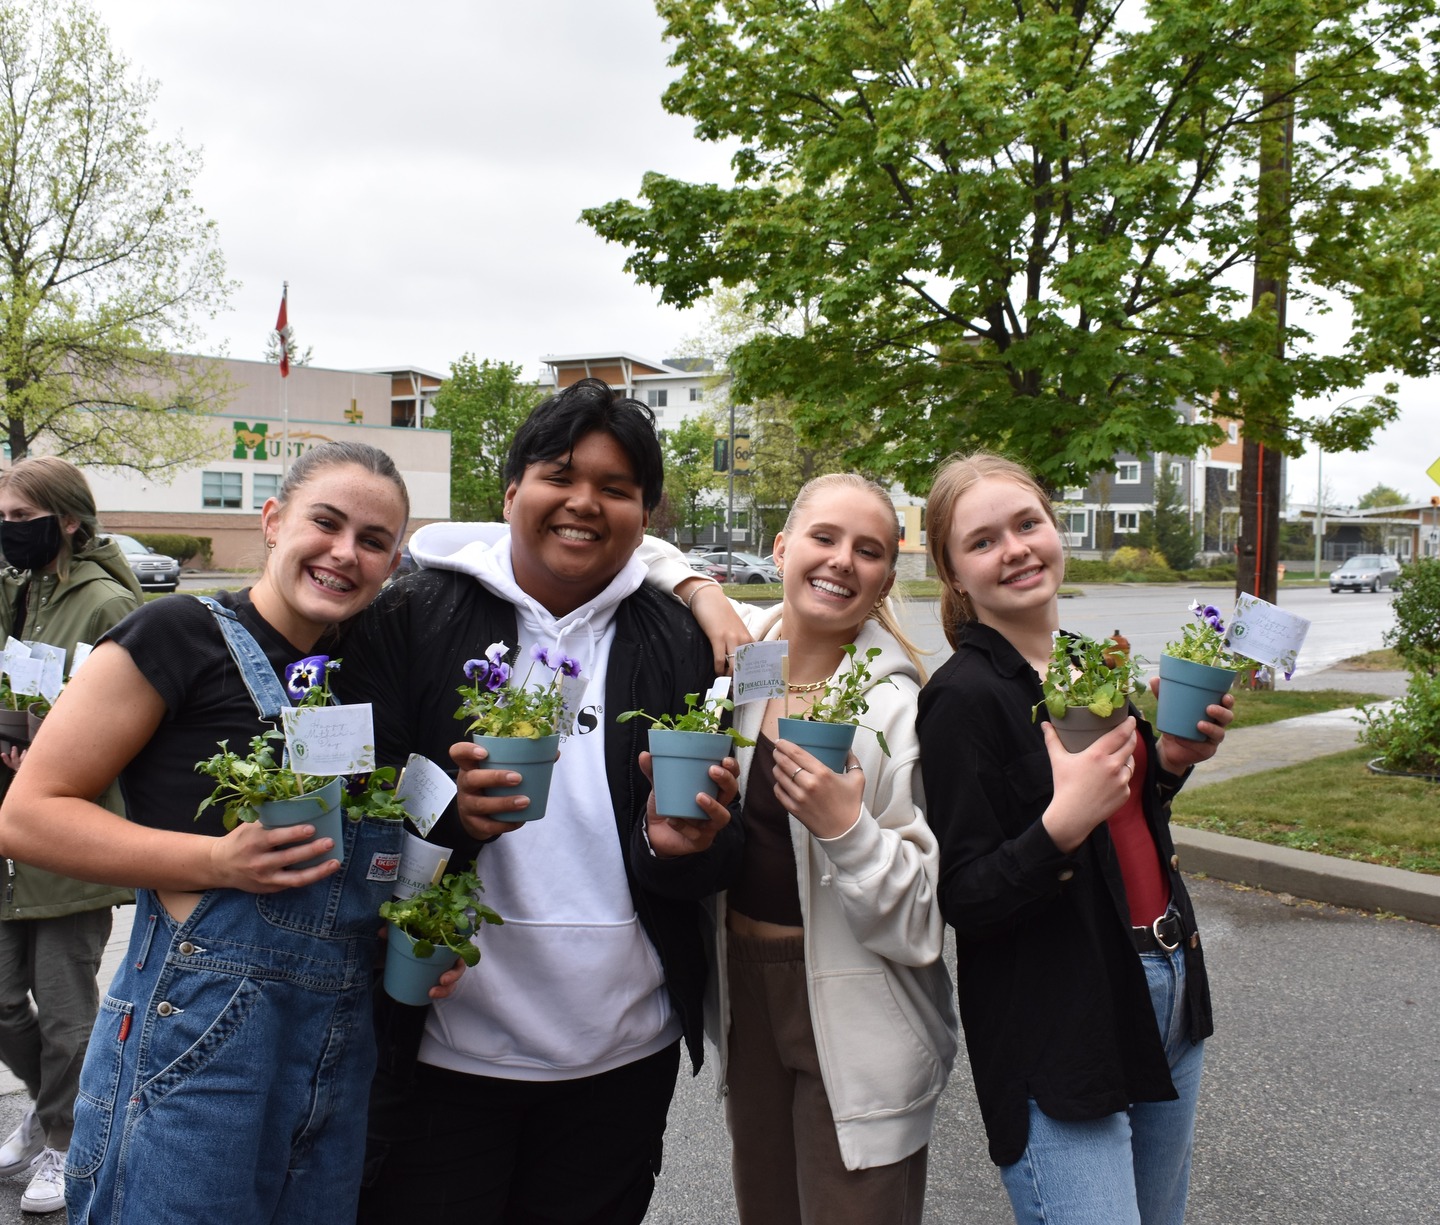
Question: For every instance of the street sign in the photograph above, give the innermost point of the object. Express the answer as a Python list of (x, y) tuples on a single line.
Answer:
[(1433, 472)]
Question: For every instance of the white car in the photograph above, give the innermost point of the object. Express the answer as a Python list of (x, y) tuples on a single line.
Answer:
[(1365, 572)]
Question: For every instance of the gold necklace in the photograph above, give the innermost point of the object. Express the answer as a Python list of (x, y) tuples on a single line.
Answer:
[(820, 684)]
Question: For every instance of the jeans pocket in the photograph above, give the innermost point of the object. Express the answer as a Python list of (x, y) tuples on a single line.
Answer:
[(99, 1086)]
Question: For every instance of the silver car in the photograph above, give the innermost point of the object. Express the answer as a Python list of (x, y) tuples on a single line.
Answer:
[(153, 571), (1365, 572), (745, 567)]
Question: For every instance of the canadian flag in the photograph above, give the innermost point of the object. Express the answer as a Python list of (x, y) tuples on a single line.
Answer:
[(282, 330)]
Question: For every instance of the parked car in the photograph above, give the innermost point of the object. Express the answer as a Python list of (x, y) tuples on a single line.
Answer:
[(1370, 571), (745, 567), (702, 565), (153, 571)]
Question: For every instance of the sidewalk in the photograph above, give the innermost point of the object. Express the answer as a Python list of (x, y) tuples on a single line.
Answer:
[(1321, 878)]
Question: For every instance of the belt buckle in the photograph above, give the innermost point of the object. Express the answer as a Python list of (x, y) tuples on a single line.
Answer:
[(1168, 946)]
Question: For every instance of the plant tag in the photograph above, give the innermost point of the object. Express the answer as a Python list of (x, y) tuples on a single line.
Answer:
[(1266, 634), (52, 670), (426, 791), (717, 692), (330, 740), (82, 653), (422, 863), (760, 671), (14, 649), (572, 693), (25, 676)]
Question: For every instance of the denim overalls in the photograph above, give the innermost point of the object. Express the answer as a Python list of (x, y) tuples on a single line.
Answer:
[(228, 1073)]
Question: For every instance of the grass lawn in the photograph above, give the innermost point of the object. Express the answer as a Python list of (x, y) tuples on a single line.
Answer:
[(1256, 706), (1332, 805)]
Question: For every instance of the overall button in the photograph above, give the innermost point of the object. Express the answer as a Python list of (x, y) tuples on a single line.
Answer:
[(164, 1008), (187, 948)]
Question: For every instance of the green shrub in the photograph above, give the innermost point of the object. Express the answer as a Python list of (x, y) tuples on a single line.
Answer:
[(1407, 735), (182, 548), (1086, 570), (1416, 636), (1131, 559)]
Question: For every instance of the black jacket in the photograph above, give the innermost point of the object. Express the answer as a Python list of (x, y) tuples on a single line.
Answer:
[(1052, 993), (406, 655)]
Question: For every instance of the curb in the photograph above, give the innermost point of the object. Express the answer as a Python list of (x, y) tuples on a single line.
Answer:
[(1321, 878)]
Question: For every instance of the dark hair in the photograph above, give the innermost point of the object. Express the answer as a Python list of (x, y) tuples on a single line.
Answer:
[(59, 488), (557, 425), (332, 454)]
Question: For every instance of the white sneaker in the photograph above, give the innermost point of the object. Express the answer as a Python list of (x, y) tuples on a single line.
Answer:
[(25, 1143), (46, 1192)]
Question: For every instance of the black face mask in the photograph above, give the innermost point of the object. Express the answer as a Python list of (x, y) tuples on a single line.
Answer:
[(32, 544)]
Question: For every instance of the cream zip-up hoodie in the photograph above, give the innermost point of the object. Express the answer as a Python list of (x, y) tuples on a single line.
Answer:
[(881, 1002)]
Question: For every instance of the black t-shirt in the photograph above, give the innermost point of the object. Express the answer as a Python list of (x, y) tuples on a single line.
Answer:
[(177, 644)]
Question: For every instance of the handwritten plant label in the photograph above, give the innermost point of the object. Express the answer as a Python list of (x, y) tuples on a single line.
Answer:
[(82, 653), (572, 693), (426, 791), (330, 740), (421, 863), (760, 671), (36, 669), (1266, 634)]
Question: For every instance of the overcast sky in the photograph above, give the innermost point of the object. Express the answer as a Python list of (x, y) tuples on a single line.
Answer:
[(416, 172)]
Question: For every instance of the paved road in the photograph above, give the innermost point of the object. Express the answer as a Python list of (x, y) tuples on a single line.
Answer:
[(1321, 1100)]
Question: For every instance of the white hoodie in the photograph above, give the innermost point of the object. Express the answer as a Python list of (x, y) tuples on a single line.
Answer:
[(570, 985)]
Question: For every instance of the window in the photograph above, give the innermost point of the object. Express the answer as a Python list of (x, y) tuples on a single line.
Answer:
[(1232, 431), (1075, 522), (1073, 493), (657, 398), (1127, 473), (1127, 521), (1232, 479), (1177, 473), (222, 489), (696, 394), (266, 485), (402, 413)]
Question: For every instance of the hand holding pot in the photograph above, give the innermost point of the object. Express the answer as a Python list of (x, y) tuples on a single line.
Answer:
[(1178, 754), (484, 815), (672, 836), (259, 860), (1089, 786), (824, 802)]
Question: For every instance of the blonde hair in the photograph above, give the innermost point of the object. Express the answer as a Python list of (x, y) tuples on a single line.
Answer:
[(59, 488), (886, 612), (957, 476)]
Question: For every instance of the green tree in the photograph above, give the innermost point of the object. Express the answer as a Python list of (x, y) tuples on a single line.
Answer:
[(105, 258), (482, 406), (1022, 225), (1382, 495), (1167, 529), (691, 483)]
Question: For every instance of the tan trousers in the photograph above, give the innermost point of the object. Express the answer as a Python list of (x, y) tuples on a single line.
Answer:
[(785, 1160)]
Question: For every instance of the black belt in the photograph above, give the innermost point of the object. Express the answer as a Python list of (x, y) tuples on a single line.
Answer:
[(1162, 936)]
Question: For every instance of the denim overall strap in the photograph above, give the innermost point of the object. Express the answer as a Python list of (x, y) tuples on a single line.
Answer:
[(265, 688)]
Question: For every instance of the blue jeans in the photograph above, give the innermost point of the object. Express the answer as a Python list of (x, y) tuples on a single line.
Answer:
[(229, 1068), (1130, 1168)]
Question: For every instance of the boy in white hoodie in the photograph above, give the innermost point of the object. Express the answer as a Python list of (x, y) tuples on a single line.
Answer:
[(538, 1092)]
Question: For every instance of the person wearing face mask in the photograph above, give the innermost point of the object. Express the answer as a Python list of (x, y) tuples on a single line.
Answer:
[(64, 584)]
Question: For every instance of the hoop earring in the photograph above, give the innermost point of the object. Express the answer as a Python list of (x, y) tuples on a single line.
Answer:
[(269, 544)]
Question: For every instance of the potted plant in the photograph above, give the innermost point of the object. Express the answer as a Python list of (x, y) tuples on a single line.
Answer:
[(827, 728), (35, 713), (1085, 694), (683, 747), (428, 930), (14, 721), (262, 786), (519, 727), (1195, 672)]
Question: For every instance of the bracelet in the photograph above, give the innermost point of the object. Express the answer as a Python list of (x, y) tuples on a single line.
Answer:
[(690, 599)]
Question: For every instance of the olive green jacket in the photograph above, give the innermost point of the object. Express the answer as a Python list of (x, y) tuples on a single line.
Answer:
[(99, 592)]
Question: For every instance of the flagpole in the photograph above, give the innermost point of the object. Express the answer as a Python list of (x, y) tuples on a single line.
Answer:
[(284, 390)]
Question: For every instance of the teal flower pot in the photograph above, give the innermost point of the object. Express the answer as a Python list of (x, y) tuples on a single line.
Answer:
[(532, 760), (1186, 689), (1079, 729), (830, 742), (680, 762), (408, 978), (320, 808)]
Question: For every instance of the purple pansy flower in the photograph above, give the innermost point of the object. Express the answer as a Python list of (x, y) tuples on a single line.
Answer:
[(303, 675), (540, 655), (569, 665)]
